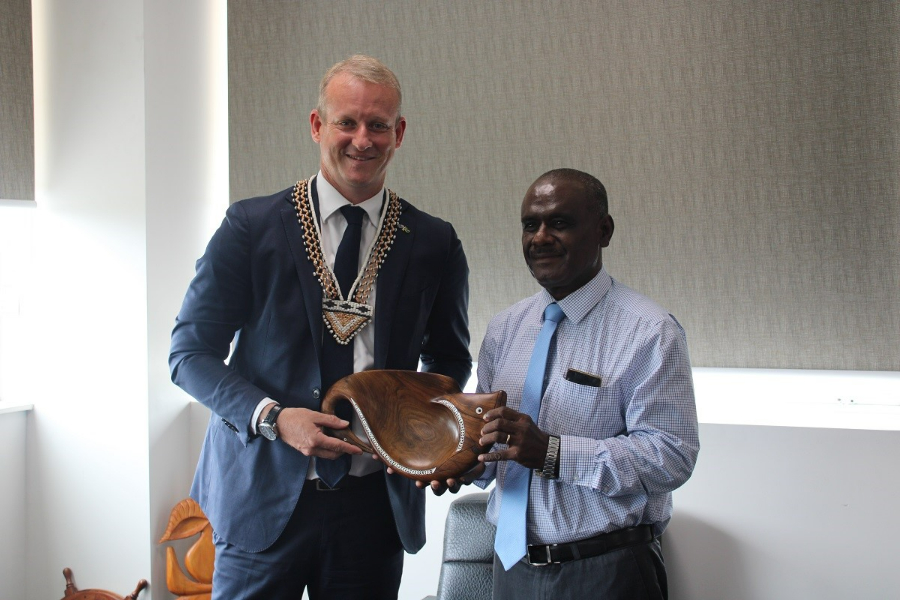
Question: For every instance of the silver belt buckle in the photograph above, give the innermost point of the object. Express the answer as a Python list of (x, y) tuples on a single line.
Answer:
[(549, 559)]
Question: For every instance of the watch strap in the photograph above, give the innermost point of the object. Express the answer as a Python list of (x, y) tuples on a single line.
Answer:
[(550, 460)]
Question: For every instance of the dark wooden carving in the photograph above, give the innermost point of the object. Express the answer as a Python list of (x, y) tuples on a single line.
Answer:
[(73, 593), (420, 424)]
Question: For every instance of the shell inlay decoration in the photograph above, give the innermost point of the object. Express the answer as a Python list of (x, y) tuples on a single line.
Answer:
[(384, 454), (390, 460)]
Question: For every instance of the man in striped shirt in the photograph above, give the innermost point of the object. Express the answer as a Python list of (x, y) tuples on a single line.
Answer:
[(617, 426)]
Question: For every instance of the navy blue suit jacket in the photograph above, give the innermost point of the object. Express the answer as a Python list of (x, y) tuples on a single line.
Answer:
[(256, 286)]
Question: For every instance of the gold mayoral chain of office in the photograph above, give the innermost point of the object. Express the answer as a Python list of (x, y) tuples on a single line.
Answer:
[(345, 317)]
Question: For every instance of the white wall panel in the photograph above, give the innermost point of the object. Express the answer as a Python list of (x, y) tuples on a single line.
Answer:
[(780, 513)]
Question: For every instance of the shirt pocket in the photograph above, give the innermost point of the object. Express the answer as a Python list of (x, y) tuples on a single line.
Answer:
[(582, 410)]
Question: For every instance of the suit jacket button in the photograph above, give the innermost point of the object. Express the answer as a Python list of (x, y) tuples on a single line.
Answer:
[(316, 393)]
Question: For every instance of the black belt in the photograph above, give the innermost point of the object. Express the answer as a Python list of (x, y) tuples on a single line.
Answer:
[(559, 553), (348, 482)]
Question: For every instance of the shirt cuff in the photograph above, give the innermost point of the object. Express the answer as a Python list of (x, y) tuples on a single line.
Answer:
[(490, 472), (577, 459)]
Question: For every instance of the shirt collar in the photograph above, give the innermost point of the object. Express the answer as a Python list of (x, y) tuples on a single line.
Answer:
[(579, 303), (331, 200)]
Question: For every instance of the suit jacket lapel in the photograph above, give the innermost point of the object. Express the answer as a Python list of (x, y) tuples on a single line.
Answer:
[(309, 285), (389, 284)]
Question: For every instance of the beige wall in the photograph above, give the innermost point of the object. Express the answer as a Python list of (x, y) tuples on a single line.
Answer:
[(750, 149)]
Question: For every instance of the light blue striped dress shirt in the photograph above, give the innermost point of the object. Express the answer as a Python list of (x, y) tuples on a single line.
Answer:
[(625, 444)]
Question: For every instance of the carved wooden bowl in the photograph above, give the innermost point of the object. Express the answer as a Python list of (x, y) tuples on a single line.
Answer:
[(420, 424)]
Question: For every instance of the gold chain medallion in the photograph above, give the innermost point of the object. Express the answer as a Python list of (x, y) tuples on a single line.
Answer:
[(344, 318)]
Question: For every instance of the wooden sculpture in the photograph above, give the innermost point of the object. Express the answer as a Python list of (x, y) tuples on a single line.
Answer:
[(420, 424), (72, 592), (185, 520)]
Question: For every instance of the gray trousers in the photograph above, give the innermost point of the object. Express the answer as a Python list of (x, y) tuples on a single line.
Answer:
[(633, 573)]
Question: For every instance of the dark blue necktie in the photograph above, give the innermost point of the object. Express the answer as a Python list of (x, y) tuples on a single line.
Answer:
[(346, 261), (337, 359), (511, 524)]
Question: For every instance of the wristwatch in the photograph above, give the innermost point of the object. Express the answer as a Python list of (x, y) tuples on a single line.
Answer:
[(550, 460), (267, 427)]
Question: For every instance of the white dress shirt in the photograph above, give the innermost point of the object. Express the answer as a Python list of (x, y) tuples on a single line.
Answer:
[(628, 433), (332, 226)]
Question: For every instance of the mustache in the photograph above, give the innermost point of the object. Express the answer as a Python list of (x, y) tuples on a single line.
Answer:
[(543, 252)]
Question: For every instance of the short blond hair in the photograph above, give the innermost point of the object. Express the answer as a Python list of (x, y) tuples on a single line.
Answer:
[(366, 68)]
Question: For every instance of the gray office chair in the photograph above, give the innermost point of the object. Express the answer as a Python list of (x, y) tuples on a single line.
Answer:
[(467, 563)]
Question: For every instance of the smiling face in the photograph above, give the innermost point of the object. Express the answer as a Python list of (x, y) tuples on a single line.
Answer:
[(357, 134), (563, 231)]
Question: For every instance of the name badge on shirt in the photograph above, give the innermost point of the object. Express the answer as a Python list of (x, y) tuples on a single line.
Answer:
[(583, 378)]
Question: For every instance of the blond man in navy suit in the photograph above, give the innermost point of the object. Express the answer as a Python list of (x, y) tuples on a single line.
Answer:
[(278, 528)]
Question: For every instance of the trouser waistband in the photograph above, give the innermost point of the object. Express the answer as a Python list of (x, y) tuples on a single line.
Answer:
[(548, 554), (349, 482)]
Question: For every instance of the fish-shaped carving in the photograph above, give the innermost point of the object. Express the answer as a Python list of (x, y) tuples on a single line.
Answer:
[(420, 424)]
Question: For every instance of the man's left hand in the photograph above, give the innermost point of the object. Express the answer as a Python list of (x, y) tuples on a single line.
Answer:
[(525, 443)]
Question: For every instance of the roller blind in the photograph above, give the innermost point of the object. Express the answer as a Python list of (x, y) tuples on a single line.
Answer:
[(16, 101), (751, 149)]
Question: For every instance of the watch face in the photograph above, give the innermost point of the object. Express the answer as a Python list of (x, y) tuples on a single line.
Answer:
[(267, 427), (267, 431)]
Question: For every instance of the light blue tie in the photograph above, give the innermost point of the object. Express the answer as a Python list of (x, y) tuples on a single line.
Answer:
[(510, 541)]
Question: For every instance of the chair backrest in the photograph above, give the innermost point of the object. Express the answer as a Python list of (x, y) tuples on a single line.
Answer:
[(467, 564), (73, 593)]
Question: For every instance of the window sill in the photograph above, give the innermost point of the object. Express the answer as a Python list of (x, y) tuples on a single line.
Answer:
[(799, 398), (12, 407)]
